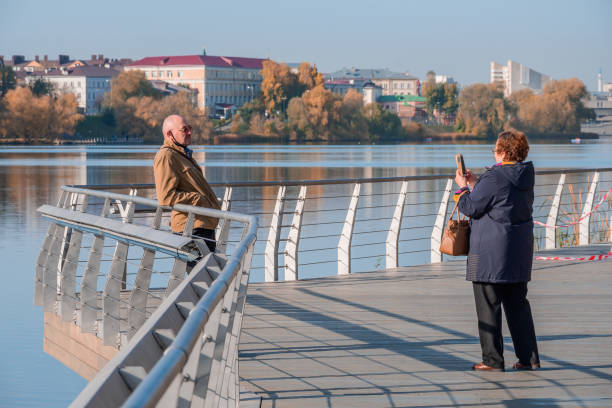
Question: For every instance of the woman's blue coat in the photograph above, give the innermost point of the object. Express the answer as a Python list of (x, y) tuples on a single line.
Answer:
[(501, 238)]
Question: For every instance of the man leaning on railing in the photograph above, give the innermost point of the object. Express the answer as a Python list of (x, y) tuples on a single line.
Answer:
[(179, 180)]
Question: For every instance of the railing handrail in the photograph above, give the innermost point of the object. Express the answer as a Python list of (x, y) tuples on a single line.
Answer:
[(332, 181), (209, 212), (151, 389), (232, 274)]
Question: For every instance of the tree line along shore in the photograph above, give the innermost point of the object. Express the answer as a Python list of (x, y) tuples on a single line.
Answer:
[(293, 107)]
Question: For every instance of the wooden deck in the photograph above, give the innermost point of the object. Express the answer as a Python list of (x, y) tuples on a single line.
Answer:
[(408, 337)]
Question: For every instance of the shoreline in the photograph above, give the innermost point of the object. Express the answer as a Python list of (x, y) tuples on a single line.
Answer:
[(233, 139)]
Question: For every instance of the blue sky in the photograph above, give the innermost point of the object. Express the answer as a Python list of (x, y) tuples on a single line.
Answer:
[(459, 38)]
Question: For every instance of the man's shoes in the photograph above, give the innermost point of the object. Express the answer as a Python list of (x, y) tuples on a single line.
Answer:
[(484, 367), (519, 366)]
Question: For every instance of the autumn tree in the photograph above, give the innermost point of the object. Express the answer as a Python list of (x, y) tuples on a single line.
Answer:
[(8, 79), (280, 84), (352, 124), (308, 76), (483, 110), (559, 108), (129, 84), (31, 119)]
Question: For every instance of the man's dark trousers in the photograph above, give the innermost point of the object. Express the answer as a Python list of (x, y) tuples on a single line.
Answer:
[(513, 296), (208, 235)]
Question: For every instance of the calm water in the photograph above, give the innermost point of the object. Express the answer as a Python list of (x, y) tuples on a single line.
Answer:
[(32, 176)]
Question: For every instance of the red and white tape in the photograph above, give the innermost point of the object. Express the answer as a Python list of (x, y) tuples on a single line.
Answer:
[(541, 224), (599, 257)]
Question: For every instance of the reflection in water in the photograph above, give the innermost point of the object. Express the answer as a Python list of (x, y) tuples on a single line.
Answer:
[(31, 177)]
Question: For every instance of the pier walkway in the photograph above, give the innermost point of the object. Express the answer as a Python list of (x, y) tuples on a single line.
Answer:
[(407, 338)]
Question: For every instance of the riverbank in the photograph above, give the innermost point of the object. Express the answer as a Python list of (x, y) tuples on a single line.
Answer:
[(236, 139)]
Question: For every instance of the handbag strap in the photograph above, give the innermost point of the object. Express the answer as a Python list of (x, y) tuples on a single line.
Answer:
[(453, 212)]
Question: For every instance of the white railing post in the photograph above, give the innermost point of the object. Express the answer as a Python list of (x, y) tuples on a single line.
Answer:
[(438, 229), (271, 252), (88, 315), (69, 269), (344, 244), (222, 232), (392, 246), (74, 198), (115, 281), (140, 291), (293, 239), (551, 233), (584, 236), (43, 257), (50, 271)]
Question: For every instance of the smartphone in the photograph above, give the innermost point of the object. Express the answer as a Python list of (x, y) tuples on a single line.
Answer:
[(460, 163)]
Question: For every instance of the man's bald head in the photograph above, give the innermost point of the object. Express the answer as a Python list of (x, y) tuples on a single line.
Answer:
[(176, 130), (171, 122)]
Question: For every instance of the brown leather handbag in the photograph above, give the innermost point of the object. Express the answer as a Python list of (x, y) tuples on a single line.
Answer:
[(456, 236)]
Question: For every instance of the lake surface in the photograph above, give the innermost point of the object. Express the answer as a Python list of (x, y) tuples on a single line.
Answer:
[(32, 176)]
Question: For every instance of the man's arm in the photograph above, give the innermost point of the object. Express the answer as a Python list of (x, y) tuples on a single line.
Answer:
[(167, 182)]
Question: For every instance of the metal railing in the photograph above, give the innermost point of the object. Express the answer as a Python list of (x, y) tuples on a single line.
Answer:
[(177, 334), (352, 225)]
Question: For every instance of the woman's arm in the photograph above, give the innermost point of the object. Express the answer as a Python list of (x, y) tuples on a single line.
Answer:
[(478, 202)]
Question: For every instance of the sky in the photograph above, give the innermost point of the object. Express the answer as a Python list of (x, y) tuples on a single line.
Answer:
[(559, 38)]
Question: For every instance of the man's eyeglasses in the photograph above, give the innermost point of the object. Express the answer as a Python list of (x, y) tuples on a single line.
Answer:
[(185, 129)]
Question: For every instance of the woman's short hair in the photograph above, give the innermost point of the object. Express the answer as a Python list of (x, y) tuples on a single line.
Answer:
[(513, 144)]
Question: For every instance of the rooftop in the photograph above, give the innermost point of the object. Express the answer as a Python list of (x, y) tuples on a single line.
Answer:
[(366, 73), (86, 71), (402, 98), (206, 60)]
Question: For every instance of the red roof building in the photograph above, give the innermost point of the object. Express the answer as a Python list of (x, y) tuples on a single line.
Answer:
[(217, 79)]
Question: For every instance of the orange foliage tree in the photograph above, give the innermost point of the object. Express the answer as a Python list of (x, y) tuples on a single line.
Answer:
[(32, 119)]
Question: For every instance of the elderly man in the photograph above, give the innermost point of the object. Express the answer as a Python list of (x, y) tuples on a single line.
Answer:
[(179, 180)]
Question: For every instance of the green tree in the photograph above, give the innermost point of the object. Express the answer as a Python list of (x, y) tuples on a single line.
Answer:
[(441, 98), (41, 86), (8, 79), (382, 124)]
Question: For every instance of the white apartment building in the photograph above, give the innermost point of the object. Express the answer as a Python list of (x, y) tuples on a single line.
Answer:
[(218, 80), (88, 84), (515, 76)]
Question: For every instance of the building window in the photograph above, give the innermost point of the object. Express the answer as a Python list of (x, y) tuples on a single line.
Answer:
[(169, 74), (179, 74), (153, 74)]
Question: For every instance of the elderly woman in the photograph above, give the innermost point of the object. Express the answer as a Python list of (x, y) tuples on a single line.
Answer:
[(500, 206)]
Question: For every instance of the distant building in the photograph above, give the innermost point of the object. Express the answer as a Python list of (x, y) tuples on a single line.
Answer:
[(88, 84), (217, 79), (371, 93), (342, 86), (411, 107), (515, 76), (20, 64), (444, 79), (166, 89)]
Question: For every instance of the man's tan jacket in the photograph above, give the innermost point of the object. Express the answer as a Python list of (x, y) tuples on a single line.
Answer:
[(179, 180)]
